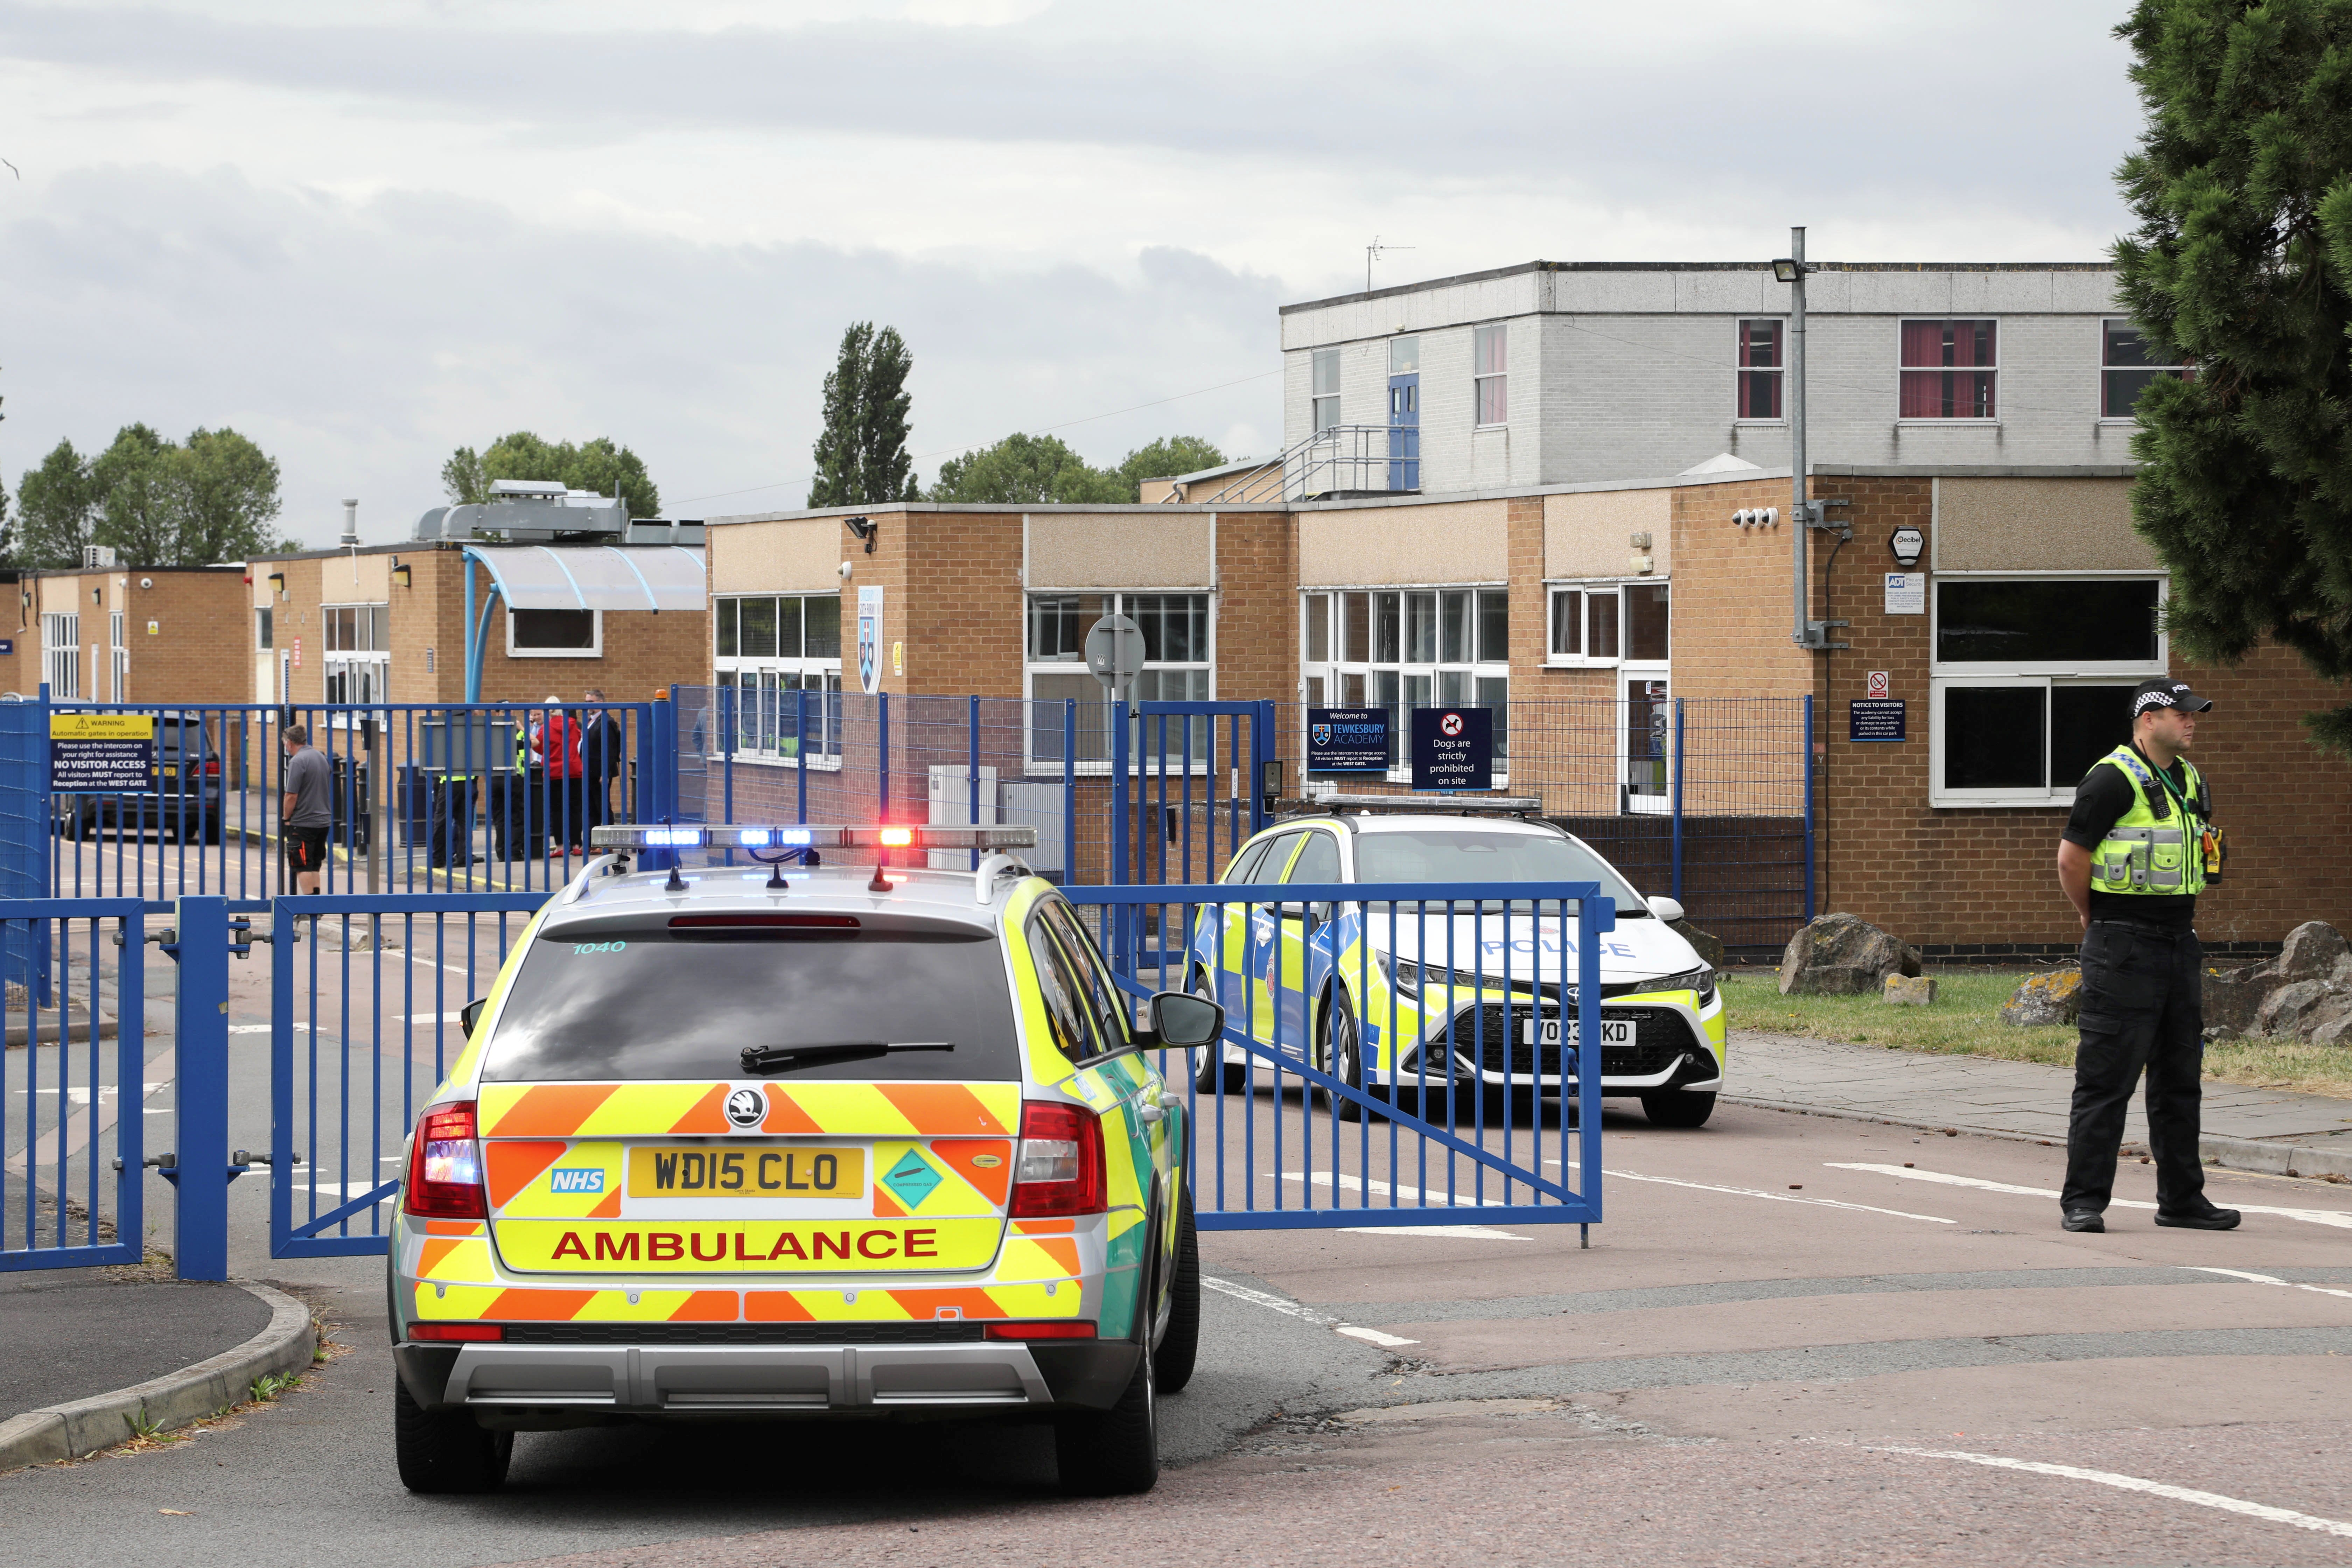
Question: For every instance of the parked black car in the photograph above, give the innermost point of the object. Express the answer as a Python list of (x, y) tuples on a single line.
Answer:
[(184, 795)]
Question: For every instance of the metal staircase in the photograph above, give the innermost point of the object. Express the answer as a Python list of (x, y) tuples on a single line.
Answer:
[(1337, 459)]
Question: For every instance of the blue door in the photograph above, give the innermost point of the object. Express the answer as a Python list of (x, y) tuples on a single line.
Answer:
[(1404, 432), (1404, 414)]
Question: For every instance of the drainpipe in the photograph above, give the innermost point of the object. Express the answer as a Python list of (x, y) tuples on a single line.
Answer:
[(1800, 511)]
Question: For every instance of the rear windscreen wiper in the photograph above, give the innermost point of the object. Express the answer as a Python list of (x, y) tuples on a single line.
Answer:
[(770, 1058)]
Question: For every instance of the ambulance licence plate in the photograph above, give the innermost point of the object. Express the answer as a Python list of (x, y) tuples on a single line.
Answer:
[(799, 1172), (1545, 1031)]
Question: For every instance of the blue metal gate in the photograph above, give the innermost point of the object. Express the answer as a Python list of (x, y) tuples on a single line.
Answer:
[(364, 1024), (1187, 779), (1347, 1004), (73, 1083)]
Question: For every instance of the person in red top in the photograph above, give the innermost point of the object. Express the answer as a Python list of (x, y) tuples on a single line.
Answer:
[(559, 750)]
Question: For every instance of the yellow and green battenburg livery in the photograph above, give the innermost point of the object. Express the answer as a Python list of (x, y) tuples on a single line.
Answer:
[(2156, 847), (596, 1214)]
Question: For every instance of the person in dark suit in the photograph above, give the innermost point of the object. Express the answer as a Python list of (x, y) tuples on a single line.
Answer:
[(603, 756)]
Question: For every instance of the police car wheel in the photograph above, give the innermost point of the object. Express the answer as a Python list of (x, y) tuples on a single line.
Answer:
[(445, 1450), (1109, 1453), (1171, 1362), (1343, 1050), (1677, 1107), (1212, 1074)]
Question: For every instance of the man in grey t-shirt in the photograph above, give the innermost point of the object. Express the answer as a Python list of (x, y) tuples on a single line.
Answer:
[(306, 812)]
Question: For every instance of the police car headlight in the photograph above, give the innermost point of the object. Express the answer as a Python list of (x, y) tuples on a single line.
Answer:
[(1701, 980), (1411, 978)]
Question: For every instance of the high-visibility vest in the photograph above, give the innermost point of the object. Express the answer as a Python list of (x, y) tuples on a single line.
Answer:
[(2157, 848)]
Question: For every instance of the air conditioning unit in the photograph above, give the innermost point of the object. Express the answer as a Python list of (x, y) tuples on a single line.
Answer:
[(97, 558)]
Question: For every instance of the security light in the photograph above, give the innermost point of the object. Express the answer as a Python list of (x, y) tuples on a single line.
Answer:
[(1787, 270), (864, 529)]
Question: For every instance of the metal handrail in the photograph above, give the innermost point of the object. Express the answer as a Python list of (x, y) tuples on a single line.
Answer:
[(1336, 458)]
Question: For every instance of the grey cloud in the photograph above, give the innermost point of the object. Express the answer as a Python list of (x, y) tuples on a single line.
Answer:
[(1948, 109), (360, 343)]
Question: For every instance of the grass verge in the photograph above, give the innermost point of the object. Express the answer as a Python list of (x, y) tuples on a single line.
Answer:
[(1965, 1021)]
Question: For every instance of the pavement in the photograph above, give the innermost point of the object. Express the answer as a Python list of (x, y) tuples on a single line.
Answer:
[(75, 1333), (2245, 1128)]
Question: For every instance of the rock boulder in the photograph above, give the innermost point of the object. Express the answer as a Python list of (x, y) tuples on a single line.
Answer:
[(2312, 952), (2234, 997), (2301, 1008), (1708, 947), (1909, 990), (1843, 955), (2046, 999)]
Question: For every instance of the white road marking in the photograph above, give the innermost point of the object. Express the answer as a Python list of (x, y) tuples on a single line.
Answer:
[(2335, 1217), (1776, 1197), (2271, 1279), (1454, 1232), (1303, 1313), (78, 1094), (2140, 1484)]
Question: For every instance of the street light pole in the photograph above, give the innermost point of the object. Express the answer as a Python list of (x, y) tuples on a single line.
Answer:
[(1799, 508)]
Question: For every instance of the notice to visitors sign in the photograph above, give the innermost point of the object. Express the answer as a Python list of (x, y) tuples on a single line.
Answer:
[(1346, 740), (1876, 720), (101, 751)]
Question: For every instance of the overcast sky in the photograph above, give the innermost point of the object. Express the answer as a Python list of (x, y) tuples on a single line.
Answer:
[(367, 233)]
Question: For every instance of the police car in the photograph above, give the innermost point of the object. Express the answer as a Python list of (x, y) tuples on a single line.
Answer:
[(799, 1140), (1416, 1003)]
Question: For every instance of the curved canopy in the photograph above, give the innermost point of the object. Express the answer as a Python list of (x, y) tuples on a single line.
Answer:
[(596, 576)]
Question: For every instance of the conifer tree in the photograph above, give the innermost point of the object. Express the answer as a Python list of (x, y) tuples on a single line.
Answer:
[(861, 454)]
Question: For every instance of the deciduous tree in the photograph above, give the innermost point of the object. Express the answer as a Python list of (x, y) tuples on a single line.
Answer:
[(861, 453)]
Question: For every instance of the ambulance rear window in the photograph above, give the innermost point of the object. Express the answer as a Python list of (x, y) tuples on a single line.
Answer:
[(653, 1002)]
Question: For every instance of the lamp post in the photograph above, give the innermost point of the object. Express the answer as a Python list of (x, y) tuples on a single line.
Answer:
[(1792, 269)]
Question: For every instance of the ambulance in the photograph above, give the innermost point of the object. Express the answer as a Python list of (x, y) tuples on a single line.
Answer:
[(805, 1139)]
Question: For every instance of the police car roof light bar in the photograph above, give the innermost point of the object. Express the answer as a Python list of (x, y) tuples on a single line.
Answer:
[(627, 836), (1437, 804)]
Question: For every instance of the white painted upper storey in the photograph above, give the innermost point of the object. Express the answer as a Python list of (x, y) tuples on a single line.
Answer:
[(1631, 370)]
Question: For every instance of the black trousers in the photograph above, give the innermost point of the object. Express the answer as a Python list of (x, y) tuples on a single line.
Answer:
[(2143, 1009)]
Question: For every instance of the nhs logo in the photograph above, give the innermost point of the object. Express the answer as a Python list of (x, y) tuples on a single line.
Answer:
[(573, 1180)]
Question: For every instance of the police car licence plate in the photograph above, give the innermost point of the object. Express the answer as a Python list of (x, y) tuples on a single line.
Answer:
[(1545, 1031), (708, 1173)]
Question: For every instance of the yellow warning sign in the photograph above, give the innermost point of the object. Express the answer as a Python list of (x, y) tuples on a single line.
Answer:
[(101, 726)]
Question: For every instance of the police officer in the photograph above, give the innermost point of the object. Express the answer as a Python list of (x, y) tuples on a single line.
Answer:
[(2136, 851)]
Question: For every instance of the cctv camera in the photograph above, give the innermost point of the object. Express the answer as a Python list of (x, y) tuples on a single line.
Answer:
[(844, 570)]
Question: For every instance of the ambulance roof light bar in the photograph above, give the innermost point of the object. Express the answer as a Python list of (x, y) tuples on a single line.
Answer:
[(1426, 805), (629, 837)]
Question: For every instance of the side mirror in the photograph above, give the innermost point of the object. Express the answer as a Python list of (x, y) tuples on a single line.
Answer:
[(471, 1014), (1664, 908), (1179, 1019)]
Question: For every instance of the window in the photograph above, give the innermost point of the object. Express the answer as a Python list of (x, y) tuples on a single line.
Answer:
[(262, 629), (62, 653), (779, 657), (1179, 659), (556, 634), (1326, 388), (2128, 360), (120, 670), (1760, 370), (357, 651), (1609, 623), (1097, 991), (2031, 682), (1490, 375), (1401, 648), (1948, 369)]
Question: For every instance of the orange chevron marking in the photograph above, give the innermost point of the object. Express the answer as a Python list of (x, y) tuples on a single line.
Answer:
[(884, 1205), (775, 1306), (538, 1306), (434, 1251), (707, 1306), (1043, 1226), (785, 1115), (924, 1305), (453, 1228), (708, 1114), (1064, 1252), (610, 1208), (553, 1109), (995, 1181), (515, 1165), (941, 1108)]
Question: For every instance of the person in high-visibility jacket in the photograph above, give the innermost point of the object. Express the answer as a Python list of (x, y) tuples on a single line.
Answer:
[(2138, 847)]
